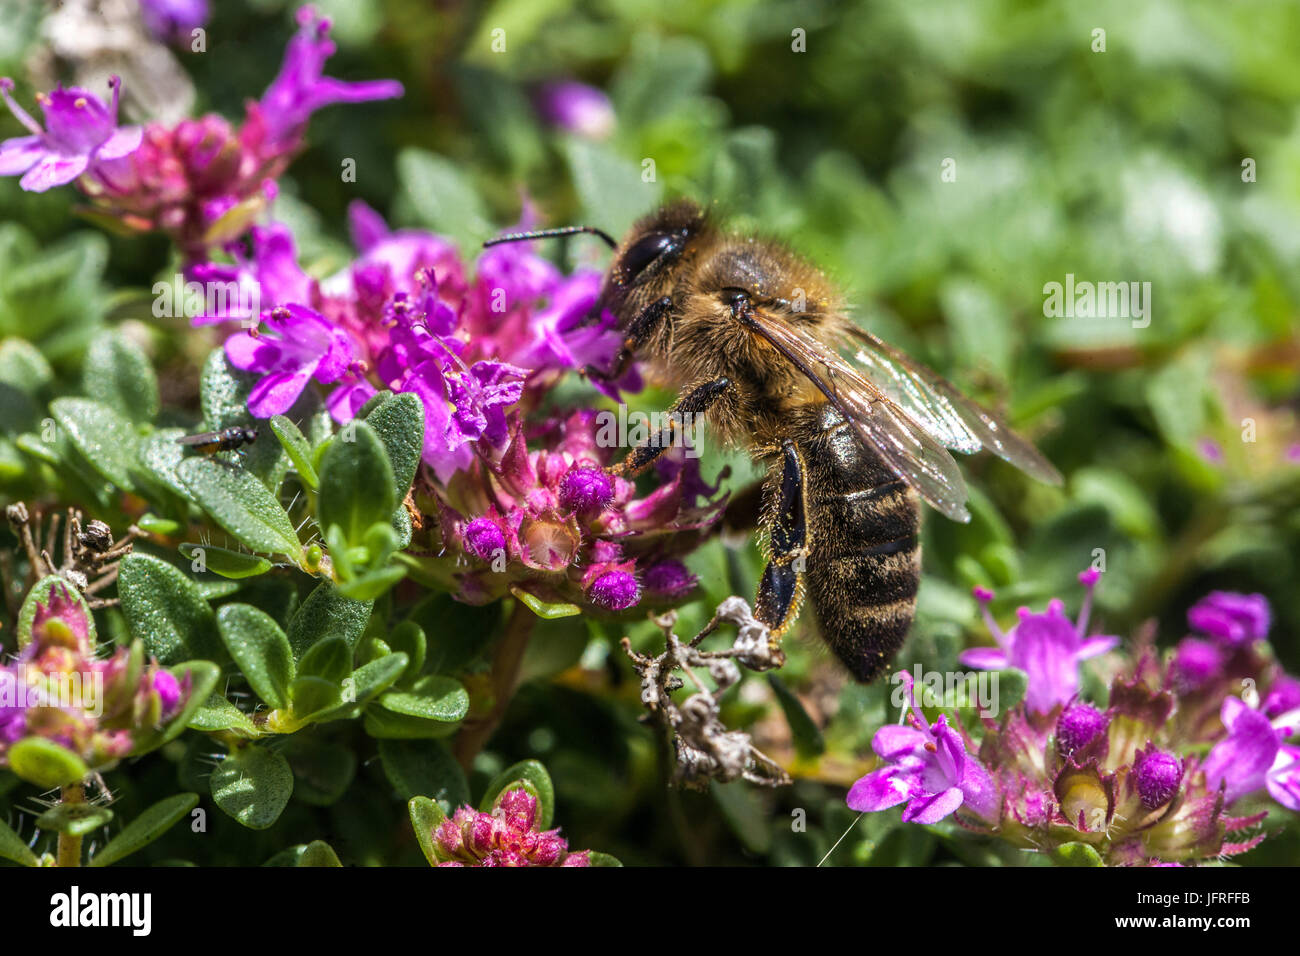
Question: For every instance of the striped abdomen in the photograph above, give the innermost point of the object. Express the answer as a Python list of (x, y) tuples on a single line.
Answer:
[(864, 560)]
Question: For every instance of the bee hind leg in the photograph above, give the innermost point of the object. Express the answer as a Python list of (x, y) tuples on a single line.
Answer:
[(780, 590)]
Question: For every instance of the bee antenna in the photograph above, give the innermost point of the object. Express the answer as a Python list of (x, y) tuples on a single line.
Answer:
[(552, 233)]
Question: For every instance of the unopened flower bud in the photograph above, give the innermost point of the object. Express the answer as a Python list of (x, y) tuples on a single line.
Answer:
[(484, 539), (1158, 776), (614, 591), (1077, 726), (586, 489)]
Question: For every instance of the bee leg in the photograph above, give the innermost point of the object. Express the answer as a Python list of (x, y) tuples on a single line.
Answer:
[(638, 333), (695, 402), (780, 590)]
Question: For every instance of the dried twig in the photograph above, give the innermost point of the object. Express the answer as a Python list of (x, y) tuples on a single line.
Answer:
[(705, 748)]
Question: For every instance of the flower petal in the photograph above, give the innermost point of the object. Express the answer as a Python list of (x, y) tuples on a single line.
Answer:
[(20, 154), (878, 790), (985, 658), (52, 170), (932, 807), (276, 393)]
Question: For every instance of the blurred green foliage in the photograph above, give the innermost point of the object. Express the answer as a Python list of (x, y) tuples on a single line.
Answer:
[(1123, 165)]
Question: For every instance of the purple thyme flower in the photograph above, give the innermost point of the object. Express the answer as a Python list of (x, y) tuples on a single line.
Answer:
[(1158, 775), (1047, 647), (272, 277), (669, 579), (301, 87), (1077, 726), (13, 715), (576, 108), (928, 767), (484, 539), (1195, 664), (301, 344), (463, 405), (1230, 617), (586, 489), (171, 20), (614, 591), (80, 132), (168, 689), (1253, 757), (1283, 700)]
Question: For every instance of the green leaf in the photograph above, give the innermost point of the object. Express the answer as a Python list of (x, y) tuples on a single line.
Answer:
[(45, 763), (23, 367), (41, 594), (321, 672), (241, 505), (13, 848), (426, 817), (546, 610), (223, 394), (75, 819), (260, 649), (442, 197), (229, 564), (602, 859), (383, 724), (408, 638), (322, 771), (608, 184), (253, 785), (356, 484), (424, 768), (104, 438), (1012, 684), (327, 613), (532, 773), (166, 610), (399, 424), (434, 697), (297, 448), (808, 740), (217, 713), (318, 853), (1076, 854), (373, 678), (146, 828), (118, 374), (161, 455), (373, 584)]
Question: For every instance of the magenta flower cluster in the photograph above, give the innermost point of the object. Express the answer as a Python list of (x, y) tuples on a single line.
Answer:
[(201, 181), (60, 690), (1180, 764), (507, 836)]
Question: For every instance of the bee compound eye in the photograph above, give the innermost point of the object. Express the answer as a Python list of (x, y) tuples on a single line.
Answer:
[(642, 253)]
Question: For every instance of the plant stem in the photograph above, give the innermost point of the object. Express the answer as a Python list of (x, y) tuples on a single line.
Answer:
[(69, 851), (506, 660)]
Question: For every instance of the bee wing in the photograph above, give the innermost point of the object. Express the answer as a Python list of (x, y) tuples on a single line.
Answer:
[(937, 405), (206, 438), (911, 451)]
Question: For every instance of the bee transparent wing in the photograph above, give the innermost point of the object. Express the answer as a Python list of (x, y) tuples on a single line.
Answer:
[(937, 405), (206, 438), (907, 447)]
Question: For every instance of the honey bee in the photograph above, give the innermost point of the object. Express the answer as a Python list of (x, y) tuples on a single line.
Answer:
[(852, 432)]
